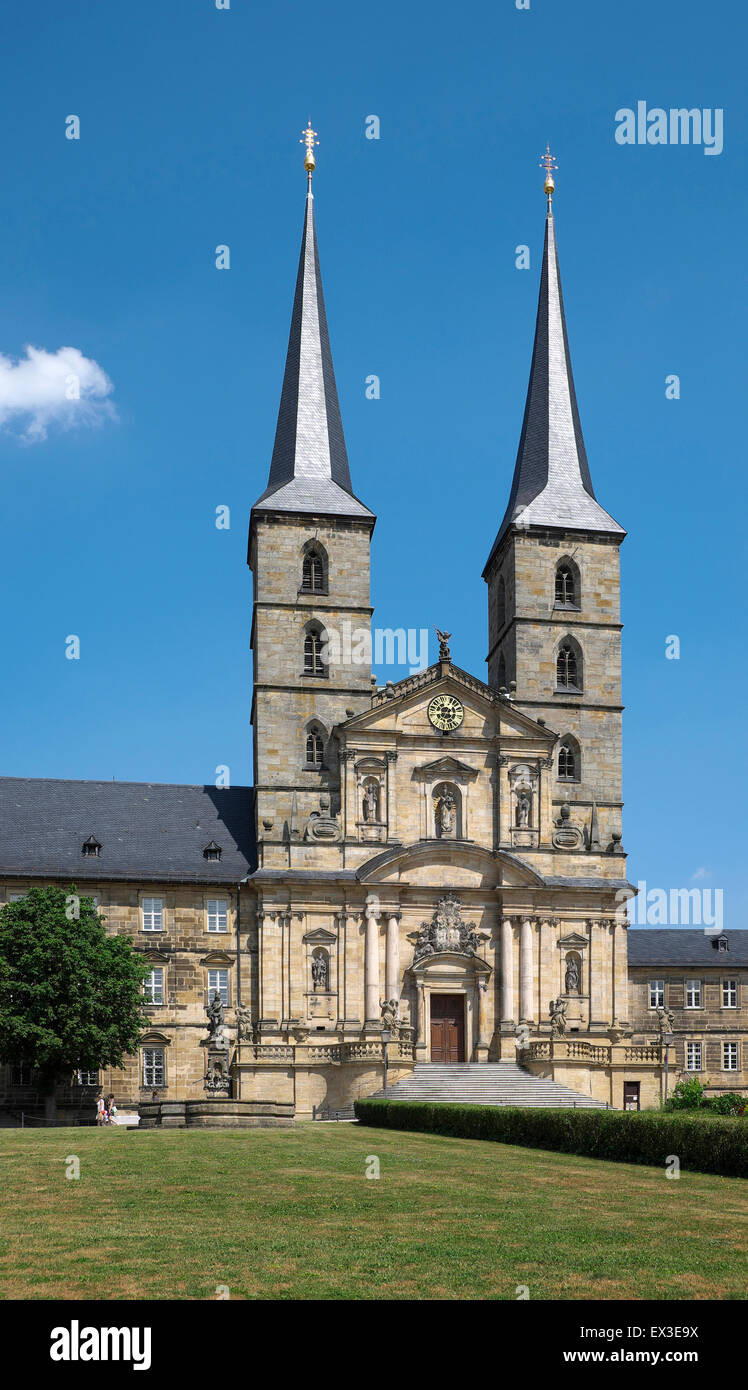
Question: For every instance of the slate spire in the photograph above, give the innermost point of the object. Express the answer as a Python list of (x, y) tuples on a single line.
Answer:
[(309, 468), (552, 484)]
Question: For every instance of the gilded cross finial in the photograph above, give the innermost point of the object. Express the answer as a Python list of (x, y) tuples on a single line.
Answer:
[(548, 162), (309, 138)]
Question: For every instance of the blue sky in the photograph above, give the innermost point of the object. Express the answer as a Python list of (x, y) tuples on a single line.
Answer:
[(190, 120)]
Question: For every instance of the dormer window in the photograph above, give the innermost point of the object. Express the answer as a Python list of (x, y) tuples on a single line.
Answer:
[(91, 849), (212, 851), (720, 943)]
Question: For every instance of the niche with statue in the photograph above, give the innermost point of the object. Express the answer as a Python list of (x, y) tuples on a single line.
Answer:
[(447, 801)]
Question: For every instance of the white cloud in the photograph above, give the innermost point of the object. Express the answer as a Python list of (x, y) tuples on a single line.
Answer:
[(701, 873), (61, 388)]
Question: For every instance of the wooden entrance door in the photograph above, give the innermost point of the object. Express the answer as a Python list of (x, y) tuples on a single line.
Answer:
[(447, 1028)]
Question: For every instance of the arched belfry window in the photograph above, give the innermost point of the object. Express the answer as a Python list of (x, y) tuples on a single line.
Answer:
[(314, 569), (315, 650), (569, 760), (569, 666), (567, 593), (502, 672), (315, 746)]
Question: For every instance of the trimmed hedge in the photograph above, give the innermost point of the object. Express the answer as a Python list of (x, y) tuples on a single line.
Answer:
[(719, 1146)]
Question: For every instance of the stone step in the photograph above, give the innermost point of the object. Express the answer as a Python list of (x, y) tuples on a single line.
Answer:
[(492, 1083)]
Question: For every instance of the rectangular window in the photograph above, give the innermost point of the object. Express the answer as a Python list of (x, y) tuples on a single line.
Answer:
[(16, 897), (729, 1056), (20, 1074), (153, 986), (153, 914), (219, 980), (729, 994), (656, 994), (693, 1056), (217, 914), (154, 1070), (693, 994), (87, 1078)]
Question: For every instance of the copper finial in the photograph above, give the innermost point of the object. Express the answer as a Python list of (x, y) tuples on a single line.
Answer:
[(548, 162), (309, 138)]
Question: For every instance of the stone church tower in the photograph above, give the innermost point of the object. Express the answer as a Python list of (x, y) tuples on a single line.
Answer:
[(554, 582), (309, 539)]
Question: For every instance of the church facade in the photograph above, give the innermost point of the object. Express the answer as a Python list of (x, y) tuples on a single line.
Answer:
[(438, 859)]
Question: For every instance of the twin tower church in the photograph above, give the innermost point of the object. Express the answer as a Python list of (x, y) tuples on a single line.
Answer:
[(435, 866)]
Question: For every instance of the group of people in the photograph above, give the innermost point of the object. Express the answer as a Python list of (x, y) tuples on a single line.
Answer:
[(106, 1110)]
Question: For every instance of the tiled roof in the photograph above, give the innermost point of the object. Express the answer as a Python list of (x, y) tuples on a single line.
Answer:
[(147, 830), (685, 946), (552, 484)]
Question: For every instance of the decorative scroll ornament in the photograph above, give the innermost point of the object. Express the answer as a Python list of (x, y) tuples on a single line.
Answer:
[(447, 932)]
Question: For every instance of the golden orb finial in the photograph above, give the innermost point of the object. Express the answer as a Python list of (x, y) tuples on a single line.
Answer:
[(548, 162), (309, 138)]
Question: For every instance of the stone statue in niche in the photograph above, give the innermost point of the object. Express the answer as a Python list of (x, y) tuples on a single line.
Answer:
[(523, 786), (557, 1010), (445, 812), (320, 971), (572, 979), (371, 802)]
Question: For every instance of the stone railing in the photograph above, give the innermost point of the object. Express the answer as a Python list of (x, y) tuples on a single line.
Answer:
[(303, 1054), (577, 1050), (650, 1052)]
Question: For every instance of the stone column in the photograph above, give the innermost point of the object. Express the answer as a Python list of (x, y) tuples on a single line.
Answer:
[(270, 970), (421, 1020), (481, 1046), (392, 958), (391, 794), (526, 973), (507, 972), (371, 967)]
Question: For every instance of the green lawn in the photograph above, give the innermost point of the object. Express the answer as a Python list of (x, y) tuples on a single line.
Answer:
[(291, 1214)]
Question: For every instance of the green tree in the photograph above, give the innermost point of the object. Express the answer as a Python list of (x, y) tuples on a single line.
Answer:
[(70, 996)]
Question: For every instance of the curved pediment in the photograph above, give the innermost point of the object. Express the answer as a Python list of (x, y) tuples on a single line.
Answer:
[(462, 864)]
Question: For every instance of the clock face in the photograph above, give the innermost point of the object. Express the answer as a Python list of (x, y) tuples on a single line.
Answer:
[(446, 713)]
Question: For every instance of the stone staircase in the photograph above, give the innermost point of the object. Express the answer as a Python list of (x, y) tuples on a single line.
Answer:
[(475, 1083)]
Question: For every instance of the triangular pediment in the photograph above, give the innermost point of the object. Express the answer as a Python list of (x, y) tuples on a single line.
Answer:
[(403, 708), (320, 937), (572, 942)]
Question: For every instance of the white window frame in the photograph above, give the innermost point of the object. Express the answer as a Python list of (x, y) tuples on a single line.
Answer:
[(215, 976), (148, 990), (151, 914), (694, 1050), (153, 1063), (217, 912), (80, 1074), (730, 1050), (730, 993), (694, 988), (656, 994)]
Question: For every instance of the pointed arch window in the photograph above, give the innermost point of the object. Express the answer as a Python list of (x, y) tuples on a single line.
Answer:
[(315, 746), (502, 672), (315, 651), (314, 569), (569, 666), (567, 593), (569, 761)]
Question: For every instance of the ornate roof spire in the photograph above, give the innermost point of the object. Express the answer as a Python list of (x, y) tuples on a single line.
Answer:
[(309, 467), (552, 484)]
